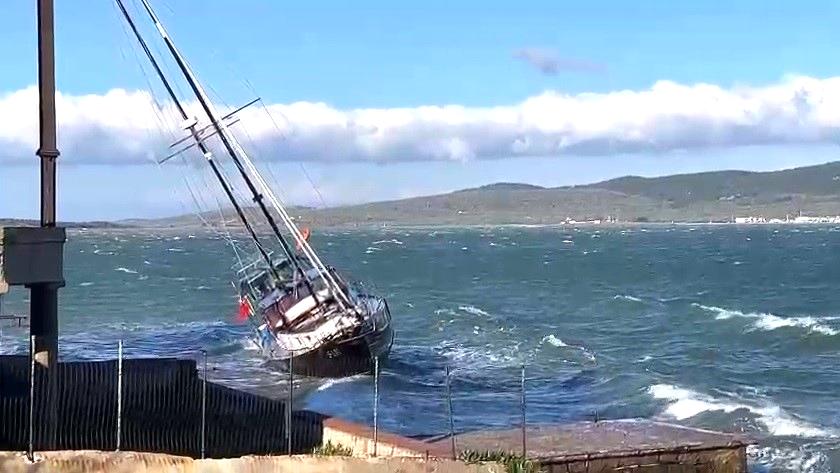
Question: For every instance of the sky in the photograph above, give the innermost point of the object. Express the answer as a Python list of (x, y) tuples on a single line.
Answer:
[(375, 100)]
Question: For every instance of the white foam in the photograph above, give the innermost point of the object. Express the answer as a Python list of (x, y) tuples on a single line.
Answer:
[(552, 340), (444, 311), (125, 270), (788, 459), (685, 404), (393, 240), (472, 310), (557, 342), (768, 322), (85, 284), (333, 382), (627, 298), (372, 249)]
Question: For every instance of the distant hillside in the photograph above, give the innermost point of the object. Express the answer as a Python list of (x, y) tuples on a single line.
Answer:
[(701, 197), (15, 222), (684, 189)]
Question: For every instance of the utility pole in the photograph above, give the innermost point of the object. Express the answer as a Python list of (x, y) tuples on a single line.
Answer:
[(34, 256), (44, 295)]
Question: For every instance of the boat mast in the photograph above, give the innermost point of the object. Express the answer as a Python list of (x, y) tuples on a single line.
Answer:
[(239, 156), (204, 151)]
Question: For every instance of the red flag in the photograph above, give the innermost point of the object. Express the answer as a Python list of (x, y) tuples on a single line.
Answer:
[(305, 234), (244, 309)]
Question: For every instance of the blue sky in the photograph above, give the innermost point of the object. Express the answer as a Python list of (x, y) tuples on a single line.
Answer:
[(401, 56)]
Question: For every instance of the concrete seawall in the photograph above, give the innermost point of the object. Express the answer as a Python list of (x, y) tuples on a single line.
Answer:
[(125, 462)]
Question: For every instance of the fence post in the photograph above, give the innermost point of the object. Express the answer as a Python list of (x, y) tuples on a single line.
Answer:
[(119, 392), (522, 404), (289, 406), (31, 452), (204, 406), (451, 416), (375, 404)]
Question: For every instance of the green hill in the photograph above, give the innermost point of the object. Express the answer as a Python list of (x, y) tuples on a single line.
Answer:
[(700, 197)]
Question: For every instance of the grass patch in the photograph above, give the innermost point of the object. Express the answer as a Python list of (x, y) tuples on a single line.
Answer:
[(330, 449), (513, 462)]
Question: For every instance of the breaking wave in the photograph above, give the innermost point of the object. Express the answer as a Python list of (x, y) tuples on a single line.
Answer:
[(768, 322), (626, 298), (393, 240), (788, 459), (125, 270), (333, 382), (557, 342), (552, 340), (472, 310), (684, 404)]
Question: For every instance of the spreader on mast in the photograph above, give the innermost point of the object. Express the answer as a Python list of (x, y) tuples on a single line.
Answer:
[(249, 172)]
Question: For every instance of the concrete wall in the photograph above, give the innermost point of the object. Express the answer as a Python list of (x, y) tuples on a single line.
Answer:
[(360, 438), (732, 460), (125, 462)]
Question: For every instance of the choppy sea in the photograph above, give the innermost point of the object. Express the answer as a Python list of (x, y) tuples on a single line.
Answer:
[(721, 327)]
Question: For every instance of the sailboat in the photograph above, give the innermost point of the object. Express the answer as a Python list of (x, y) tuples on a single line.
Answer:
[(305, 313)]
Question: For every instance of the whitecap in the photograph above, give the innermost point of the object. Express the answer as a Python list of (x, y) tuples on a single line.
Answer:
[(627, 298), (125, 270), (552, 340), (768, 322), (393, 240), (684, 404), (472, 310), (372, 249), (333, 382), (788, 459), (444, 311)]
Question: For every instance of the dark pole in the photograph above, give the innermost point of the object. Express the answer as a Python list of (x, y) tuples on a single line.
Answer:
[(46, 86), (43, 308), (44, 302)]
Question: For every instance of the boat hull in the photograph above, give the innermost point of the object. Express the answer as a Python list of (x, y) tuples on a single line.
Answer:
[(342, 357)]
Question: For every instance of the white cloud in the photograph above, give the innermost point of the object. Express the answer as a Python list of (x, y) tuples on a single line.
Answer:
[(124, 127)]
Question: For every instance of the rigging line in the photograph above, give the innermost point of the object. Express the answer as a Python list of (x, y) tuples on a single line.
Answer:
[(236, 153), (223, 220), (205, 151), (283, 136), (165, 66), (156, 107), (266, 165)]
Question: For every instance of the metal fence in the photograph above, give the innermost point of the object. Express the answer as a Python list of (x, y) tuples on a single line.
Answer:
[(162, 405), (170, 405)]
